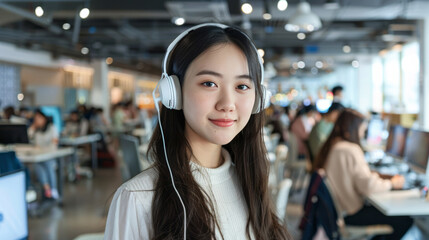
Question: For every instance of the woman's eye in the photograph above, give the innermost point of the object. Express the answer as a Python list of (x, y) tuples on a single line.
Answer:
[(243, 87), (209, 84)]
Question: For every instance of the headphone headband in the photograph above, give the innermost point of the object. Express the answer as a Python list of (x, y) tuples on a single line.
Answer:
[(220, 25)]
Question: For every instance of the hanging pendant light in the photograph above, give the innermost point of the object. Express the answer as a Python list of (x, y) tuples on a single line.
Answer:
[(303, 20)]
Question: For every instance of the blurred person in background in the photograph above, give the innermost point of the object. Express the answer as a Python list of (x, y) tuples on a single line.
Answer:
[(337, 92), (301, 127), (10, 116), (323, 128), (350, 178), (75, 125), (43, 133)]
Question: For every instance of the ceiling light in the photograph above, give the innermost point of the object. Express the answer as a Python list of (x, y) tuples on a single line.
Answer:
[(84, 50), (20, 96), (303, 20), (39, 11), (319, 64), (179, 21), (109, 60), (301, 64), (84, 13), (261, 52), (355, 63), (347, 48), (282, 5), (301, 36), (66, 26), (246, 8), (267, 16)]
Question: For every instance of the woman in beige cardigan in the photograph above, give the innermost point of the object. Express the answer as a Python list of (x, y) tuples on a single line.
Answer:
[(350, 178)]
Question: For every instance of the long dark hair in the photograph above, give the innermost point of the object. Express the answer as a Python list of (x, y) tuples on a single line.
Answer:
[(346, 128), (247, 151), (48, 120)]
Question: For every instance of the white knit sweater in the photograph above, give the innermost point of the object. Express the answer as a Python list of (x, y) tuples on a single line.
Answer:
[(130, 211)]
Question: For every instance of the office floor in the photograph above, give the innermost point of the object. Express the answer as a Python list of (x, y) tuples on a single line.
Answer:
[(86, 203)]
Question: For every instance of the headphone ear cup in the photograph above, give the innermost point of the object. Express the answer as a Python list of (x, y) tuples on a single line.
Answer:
[(266, 97), (170, 92)]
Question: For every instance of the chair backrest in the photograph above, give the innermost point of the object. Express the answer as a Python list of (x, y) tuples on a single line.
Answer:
[(293, 149), (319, 210), (130, 155), (282, 198), (282, 152)]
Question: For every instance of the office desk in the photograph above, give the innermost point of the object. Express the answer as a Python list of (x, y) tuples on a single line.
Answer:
[(32, 154), (76, 141), (400, 203)]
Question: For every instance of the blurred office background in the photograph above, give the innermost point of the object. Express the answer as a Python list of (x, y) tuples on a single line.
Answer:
[(101, 60)]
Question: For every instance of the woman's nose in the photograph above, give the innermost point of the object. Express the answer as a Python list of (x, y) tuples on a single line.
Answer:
[(226, 101)]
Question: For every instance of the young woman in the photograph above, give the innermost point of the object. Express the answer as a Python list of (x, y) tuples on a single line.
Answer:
[(350, 177), (44, 134), (214, 146)]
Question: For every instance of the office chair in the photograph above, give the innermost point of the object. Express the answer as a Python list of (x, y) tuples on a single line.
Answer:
[(297, 168), (282, 198), (321, 213), (130, 155)]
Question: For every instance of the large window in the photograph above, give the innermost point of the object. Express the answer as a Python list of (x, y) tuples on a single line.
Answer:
[(410, 77)]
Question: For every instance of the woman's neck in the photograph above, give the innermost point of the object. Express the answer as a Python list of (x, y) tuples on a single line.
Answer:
[(207, 155)]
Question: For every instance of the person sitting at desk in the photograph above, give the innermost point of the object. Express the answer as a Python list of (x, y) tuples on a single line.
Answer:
[(44, 134), (75, 126), (350, 178), (323, 128)]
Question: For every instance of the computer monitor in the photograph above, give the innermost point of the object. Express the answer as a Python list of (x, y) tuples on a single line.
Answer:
[(55, 113), (417, 150), (13, 133), (376, 131), (13, 206), (396, 141)]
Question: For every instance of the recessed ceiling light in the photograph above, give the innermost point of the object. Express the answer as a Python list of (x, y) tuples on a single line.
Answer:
[(246, 8), (84, 50), (66, 26), (347, 48), (179, 21), (267, 16), (39, 11), (282, 5), (84, 13)]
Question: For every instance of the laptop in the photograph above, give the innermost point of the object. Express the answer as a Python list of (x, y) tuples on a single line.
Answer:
[(13, 206)]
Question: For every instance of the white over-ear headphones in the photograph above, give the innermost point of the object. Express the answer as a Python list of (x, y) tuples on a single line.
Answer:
[(169, 86)]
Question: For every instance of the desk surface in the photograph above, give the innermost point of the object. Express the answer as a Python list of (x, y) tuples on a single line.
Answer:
[(74, 141), (400, 203), (32, 154)]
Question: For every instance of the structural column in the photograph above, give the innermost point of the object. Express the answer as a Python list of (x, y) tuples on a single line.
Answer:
[(424, 73), (100, 93)]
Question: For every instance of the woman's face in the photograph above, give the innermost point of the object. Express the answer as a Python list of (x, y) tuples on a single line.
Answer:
[(39, 120), (218, 95), (362, 129)]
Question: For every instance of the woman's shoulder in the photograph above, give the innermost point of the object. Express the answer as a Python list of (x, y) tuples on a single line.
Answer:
[(346, 146), (144, 181)]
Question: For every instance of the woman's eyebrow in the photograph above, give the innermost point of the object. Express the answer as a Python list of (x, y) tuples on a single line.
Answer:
[(216, 74), (208, 72)]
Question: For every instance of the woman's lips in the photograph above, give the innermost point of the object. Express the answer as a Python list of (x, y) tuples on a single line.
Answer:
[(222, 122)]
